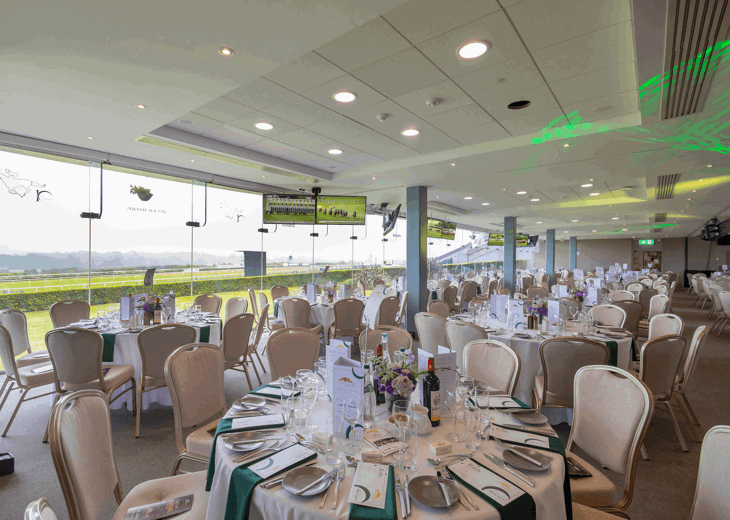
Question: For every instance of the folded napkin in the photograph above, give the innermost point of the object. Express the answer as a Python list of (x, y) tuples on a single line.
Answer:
[(522, 405), (358, 512), (271, 391)]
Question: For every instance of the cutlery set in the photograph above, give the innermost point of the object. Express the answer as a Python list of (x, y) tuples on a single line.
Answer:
[(405, 499)]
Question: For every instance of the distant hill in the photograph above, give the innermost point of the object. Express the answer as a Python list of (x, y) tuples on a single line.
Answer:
[(79, 260)]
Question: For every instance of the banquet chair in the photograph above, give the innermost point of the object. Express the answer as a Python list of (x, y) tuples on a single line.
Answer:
[(291, 349), (209, 303), (493, 363), (22, 378), (724, 297), (712, 495), (690, 287), (681, 380), (659, 363), (87, 469), (236, 306), (16, 323), (272, 322), (378, 281), (644, 299), (401, 309), (348, 318), (611, 414), (194, 375), (665, 325), (39, 510), (450, 297), (635, 288), (155, 345), (235, 344), (537, 292), (492, 287), (438, 307), (608, 315), (657, 305), (715, 303), (659, 282), (459, 333), (255, 339), (468, 293), (66, 312), (443, 284), (661, 289), (702, 295), (633, 315), (296, 313), (527, 282), (431, 330), (388, 311), (647, 282), (279, 291), (617, 296), (254, 306), (504, 290), (397, 338), (561, 359)]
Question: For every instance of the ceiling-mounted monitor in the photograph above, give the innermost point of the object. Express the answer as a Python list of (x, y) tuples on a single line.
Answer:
[(448, 231), (332, 209), (523, 240), (495, 239), (533, 240), (289, 209), (434, 228), (389, 220)]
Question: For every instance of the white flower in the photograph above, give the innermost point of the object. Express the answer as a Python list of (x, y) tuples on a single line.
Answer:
[(403, 385)]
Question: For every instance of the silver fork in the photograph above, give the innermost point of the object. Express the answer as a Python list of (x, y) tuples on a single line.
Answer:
[(340, 476), (278, 445), (399, 489)]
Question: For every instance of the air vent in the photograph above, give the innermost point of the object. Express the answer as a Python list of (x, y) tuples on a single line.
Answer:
[(665, 186), (693, 29), (660, 217)]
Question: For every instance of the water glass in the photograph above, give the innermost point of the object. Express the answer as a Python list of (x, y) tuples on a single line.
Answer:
[(333, 446), (294, 415), (309, 396), (320, 369), (409, 456), (352, 411), (303, 375), (403, 417)]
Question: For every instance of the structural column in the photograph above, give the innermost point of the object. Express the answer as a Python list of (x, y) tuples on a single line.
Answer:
[(550, 256), (573, 252), (416, 253), (510, 253)]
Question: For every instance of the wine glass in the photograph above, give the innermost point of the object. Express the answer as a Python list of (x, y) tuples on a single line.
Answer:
[(303, 375), (573, 309), (403, 416), (351, 411), (310, 396), (320, 368)]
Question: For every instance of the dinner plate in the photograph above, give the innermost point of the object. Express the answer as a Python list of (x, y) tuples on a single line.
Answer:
[(249, 402), (299, 478), (530, 418), (426, 491), (230, 441), (518, 462)]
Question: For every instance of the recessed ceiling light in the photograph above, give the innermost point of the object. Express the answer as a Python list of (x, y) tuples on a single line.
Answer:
[(614, 218), (538, 222), (225, 51), (594, 194), (566, 145), (535, 200), (373, 178), (468, 198), (709, 166), (593, 231), (589, 185), (574, 220), (334, 151), (141, 107), (518, 105), (185, 121), (411, 132), (344, 96), (453, 164), (625, 229), (590, 180), (90, 137), (485, 203), (192, 160), (521, 193), (264, 125), (689, 199), (564, 231), (473, 49)]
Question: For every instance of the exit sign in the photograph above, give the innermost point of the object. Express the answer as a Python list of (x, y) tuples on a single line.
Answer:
[(646, 242)]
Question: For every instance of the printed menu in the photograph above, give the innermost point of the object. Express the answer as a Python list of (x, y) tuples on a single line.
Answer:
[(492, 485), (370, 486), (281, 460)]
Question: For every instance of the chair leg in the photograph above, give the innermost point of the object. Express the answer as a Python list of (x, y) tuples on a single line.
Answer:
[(48, 426), (7, 380), (255, 370), (245, 371), (138, 407), (260, 362), (17, 407), (10, 389), (690, 410), (676, 427), (644, 455), (686, 418), (176, 466), (133, 391)]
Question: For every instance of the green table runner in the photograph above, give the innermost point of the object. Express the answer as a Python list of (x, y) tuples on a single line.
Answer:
[(521, 508), (479, 290), (613, 352), (434, 295), (205, 334), (370, 513), (260, 391), (522, 405), (109, 339)]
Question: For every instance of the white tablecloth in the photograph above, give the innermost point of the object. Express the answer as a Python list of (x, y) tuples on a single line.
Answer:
[(278, 503)]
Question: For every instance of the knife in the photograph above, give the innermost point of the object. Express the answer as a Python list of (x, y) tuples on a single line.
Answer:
[(408, 497), (444, 490)]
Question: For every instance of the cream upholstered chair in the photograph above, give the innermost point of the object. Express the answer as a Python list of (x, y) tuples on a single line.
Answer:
[(659, 364), (662, 289), (66, 312), (633, 315), (253, 345), (236, 306), (611, 414), (443, 284), (617, 296), (450, 297), (439, 308), (658, 304), (348, 318), (716, 304), (402, 309), (527, 282), (17, 325), (290, 350), (712, 496), (279, 291), (504, 290), (194, 375), (76, 357), (397, 338), (608, 315), (561, 359), (235, 343), (665, 325), (39, 510), (492, 287), (296, 313), (155, 345), (23, 378), (459, 333), (378, 281), (87, 469), (209, 303), (635, 288), (272, 322), (431, 330), (388, 311), (681, 381), (647, 282), (537, 292), (468, 293), (724, 297), (254, 305), (644, 298), (493, 363)]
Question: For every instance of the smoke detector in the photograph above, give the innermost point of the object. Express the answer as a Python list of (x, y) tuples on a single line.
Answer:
[(434, 102), (382, 117)]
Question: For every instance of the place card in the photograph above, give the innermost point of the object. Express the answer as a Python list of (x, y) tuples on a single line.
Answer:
[(490, 484), (380, 438), (257, 422), (530, 439), (370, 485), (281, 460)]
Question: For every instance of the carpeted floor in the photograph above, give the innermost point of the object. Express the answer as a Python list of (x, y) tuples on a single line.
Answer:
[(664, 488)]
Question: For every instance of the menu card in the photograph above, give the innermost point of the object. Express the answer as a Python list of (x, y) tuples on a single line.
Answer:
[(499, 306), (563, 291), (492, 485), (626, 266), (556, 311), (335, 350), (281, 460), (578, 274), (126, 307), (373, 305), (506, 435), (599, 271), (516, 314), (311, 293), (256, 422), (347, 378), (444, 364), (593, 296), (370, 485)]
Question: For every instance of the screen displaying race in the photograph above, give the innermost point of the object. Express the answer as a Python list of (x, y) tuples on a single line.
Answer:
[(523, 240), (448, 232), (434, 228), (495, 239), (289, 209), (341, 210)]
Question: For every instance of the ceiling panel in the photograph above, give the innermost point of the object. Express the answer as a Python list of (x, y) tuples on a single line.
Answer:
[(460, 118), (496, 29), (400, 73), (360, 159), (299, 111), (304, 73), (194, 123), (509, 76), (540, 99), (232, 135), (622, 103), (369, 142), (393, 153), (316, 161), (480, 134), (247, 123), (338, 127), (271, 147), (450, 97), (224, 110), (323, 94), (260, 93), (596, 84), (531, 123), (304, 139)]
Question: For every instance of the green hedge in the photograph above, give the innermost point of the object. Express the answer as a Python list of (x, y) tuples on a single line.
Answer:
[(29, 302)]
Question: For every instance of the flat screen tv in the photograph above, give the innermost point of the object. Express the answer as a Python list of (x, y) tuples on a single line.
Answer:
[(522, 240), (289, 209), (333, 209), (495, 239), (448, 232), (533, 240), (434, 228), (389, 220)]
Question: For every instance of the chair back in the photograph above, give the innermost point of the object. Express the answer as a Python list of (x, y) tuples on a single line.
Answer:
[(618, 296), (712, 500), (402, 309), (725, 301), (66, 312), (377, 282), (665, 325), (611, 414), (504, 290), (468, 291), (39, 510), (7, 355), (693, 356), (291, 349), (537, 292), (659, 363), (76, 357), (279, 291), (644, 299), (635, 287), (158, 342), (450, 296), (633, 314), (17, 325), (661, 289), (492, 362), (388, 311), (263, 299), (431, 331), (252, 299), (209, 303), (83, 454), (526, 282), (608, 315), (256, 338), (438, 307), (459, 334), (295, 312), (561, 359), (571, 303), (492, 287), (397, 338), (236, 306), (348, 316), (657, 305), (443, 284), (236, 335)]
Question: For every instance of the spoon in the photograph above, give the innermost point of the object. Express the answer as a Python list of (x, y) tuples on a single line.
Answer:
[(309, 444), (437, 462)]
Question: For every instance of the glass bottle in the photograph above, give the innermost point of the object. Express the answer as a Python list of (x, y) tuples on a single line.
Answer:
[(379, 397), (384, 342), (157, 318), (369, 403), (432, 395)]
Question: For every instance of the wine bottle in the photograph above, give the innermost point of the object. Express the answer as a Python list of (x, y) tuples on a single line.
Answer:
[(157, 320), (379, 397), (369, 402), (431, 395)]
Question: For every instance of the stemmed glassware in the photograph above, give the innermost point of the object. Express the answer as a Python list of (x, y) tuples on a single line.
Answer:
[(310, 396), (573, 309), (403, 416), (320, 369), (351, 411)]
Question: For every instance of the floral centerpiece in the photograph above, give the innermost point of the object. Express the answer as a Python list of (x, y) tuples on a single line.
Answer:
[(396, 381), (578, 293), (538, 308)]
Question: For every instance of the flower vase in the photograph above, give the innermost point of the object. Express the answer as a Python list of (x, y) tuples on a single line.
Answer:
[(391, 399)]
